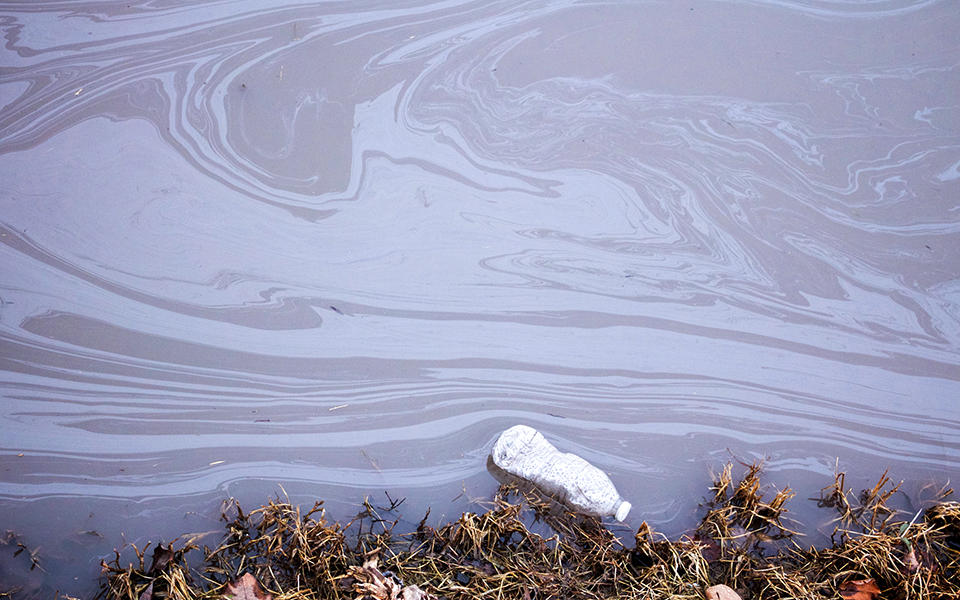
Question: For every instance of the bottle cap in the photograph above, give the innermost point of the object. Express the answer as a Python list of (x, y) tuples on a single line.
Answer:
[(623, 510)]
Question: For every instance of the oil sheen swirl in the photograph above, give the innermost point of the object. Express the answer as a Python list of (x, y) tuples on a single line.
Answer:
[(337, 247)]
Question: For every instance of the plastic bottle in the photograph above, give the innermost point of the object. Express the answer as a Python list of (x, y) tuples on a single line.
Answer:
[(524, 452)]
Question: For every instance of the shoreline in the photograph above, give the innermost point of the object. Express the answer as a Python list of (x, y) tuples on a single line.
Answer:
[(745, 541)]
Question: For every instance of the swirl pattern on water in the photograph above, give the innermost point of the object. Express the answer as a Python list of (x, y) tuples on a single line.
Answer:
[(340, 246)]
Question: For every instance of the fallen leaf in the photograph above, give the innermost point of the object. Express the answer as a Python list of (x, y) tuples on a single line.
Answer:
[(147, 593), (412, 592), (860, 589), (246, 588), (709, 548), (91, 532), (722, 592), (368, 581), (910, 561), (918, 558), (371, 582), (161, 558)]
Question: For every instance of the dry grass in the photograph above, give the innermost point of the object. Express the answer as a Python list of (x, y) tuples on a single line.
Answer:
[(744, 541)]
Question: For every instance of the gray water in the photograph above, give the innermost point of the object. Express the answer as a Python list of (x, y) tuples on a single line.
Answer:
[(332, 249)]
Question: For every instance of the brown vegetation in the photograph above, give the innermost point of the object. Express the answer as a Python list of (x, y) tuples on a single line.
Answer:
[(744, 541)]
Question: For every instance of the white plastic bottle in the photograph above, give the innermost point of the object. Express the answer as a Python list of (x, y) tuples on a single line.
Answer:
[(524, 452)]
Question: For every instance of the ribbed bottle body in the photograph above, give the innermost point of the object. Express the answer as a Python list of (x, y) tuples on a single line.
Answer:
[(524, 452)]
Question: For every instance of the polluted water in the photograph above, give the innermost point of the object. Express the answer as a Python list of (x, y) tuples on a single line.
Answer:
[(332, 250)]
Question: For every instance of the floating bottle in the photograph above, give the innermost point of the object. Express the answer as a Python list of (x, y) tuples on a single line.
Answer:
[(524, 452)]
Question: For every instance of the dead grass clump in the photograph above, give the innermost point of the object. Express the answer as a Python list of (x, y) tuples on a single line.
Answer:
[(915, 559), (495, 554), (740, 512), (741, 528), (168, 575)]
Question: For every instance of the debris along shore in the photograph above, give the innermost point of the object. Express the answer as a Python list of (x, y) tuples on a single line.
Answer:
[(744, 541)]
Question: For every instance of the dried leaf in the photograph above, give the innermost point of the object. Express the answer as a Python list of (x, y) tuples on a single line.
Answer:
[(147, 593), (910, 561), (412, 592), (721, 592), (709, 548), (162, 556), (860, 589), (246, 588), (371, 582), (368, 581)]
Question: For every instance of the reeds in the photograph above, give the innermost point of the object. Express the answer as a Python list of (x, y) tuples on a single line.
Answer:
[(744, 540)]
